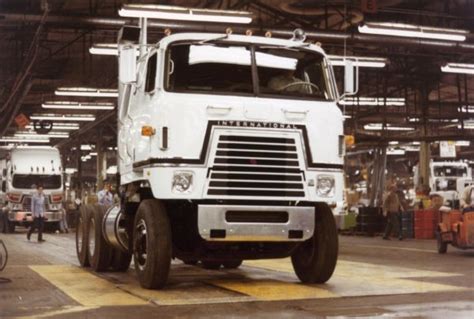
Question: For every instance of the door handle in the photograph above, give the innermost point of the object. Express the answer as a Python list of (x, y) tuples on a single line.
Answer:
[(295, 115), (218, 109)]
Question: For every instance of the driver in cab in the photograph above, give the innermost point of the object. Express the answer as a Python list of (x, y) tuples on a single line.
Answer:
[(288, 82)]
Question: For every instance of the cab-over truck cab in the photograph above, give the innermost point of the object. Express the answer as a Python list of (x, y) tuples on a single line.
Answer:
[(230, 148)]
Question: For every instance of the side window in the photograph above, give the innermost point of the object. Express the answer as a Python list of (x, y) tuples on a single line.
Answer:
[(151, 73)]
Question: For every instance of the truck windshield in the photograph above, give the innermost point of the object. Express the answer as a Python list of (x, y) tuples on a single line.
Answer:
[(24, 181), (224, 68), (450, 171)]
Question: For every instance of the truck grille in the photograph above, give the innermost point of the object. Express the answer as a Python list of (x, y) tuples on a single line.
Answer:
[(256, 166), (27, 203)]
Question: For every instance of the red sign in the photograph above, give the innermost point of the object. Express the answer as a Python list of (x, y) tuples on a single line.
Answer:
[(369, 6)]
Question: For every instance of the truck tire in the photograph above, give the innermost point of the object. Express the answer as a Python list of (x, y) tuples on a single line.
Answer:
[(315, 259), (213, 265), (3, 226), (120, 260), (232, 264), (10, 226), (152, 244), (100, 252), (82, 234), (441, 246)]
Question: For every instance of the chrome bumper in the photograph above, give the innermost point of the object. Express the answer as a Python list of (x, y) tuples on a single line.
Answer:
[(20, 216), (255, 223)]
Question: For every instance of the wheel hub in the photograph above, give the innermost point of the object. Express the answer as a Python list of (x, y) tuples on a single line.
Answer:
[(141, 245)]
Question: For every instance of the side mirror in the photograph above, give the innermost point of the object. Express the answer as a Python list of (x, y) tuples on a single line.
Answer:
[(127, 64), (351, 74), (4, 186)]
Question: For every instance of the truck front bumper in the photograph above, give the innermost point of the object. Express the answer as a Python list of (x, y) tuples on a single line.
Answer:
[(255, 223), (21, 216)]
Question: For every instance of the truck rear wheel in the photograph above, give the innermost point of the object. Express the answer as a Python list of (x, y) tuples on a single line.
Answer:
[(100, 252), (152, 244), (314, 260), (120, 260), (3, 227), (82, 228), (442, 246)]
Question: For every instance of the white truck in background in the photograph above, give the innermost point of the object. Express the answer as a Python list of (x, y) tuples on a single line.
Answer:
[(25, 168), (230, 147), (448, 179)]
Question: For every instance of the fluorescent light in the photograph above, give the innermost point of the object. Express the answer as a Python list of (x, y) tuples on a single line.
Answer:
[(463, 143), (93, 153), (184, 14), (367, 62), (468, 108), (388, 127), (59, 126), (70, 170), (33, 134), (413, 31), (468, 125), (104, 49), (73, 117), (14, 139), (65, 105), (463, 68), (86, 147), (83, 91), (394, 151), (373, 101)]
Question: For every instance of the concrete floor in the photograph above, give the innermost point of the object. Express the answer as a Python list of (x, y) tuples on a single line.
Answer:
[(373, 278)]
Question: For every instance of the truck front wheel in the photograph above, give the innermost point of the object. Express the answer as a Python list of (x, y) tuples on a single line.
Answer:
[(82, 228), (152, 244), (314, 260)]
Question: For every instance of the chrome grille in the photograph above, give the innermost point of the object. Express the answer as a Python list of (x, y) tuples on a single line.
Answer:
[(256, 166), (27, 202)]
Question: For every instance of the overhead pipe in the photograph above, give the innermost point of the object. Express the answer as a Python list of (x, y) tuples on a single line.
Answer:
[(319, 35)]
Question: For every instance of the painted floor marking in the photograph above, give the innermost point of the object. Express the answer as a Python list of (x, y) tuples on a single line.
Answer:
[(86, 288), (253, 282)]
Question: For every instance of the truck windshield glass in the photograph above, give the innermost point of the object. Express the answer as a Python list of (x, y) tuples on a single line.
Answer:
[(450, 171), (227, 68), (29, 181), (205, 68), (290, 72)]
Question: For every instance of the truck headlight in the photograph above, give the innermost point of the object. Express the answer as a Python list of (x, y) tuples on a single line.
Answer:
[(17, 206), (325, 185), (182, 182)]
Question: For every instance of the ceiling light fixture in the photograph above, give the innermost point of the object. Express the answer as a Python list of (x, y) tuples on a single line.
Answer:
[(463, 68), (413, 31), (104, 49), (388, 127), (184, 14), (359, 61), (59, 126), (13, 139), (88, 92), (33, 134), (373, 101), (72, 117), (65, 105)]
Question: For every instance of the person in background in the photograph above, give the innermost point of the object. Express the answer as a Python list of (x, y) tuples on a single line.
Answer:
[(392, 209), (37, 210), (467, 199), (105, 196)]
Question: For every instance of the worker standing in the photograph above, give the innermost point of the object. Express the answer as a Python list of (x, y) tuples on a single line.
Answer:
[(37, 210), (392, 209), (467, 199), (105, 196)]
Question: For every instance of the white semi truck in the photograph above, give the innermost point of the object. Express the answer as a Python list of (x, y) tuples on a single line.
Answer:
[(23, 170), (448, 179), (230, 147)]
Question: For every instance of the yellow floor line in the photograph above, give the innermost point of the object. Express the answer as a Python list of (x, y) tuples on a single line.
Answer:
[(275, 290), (86, 288), (432, 251), (57, 312)]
